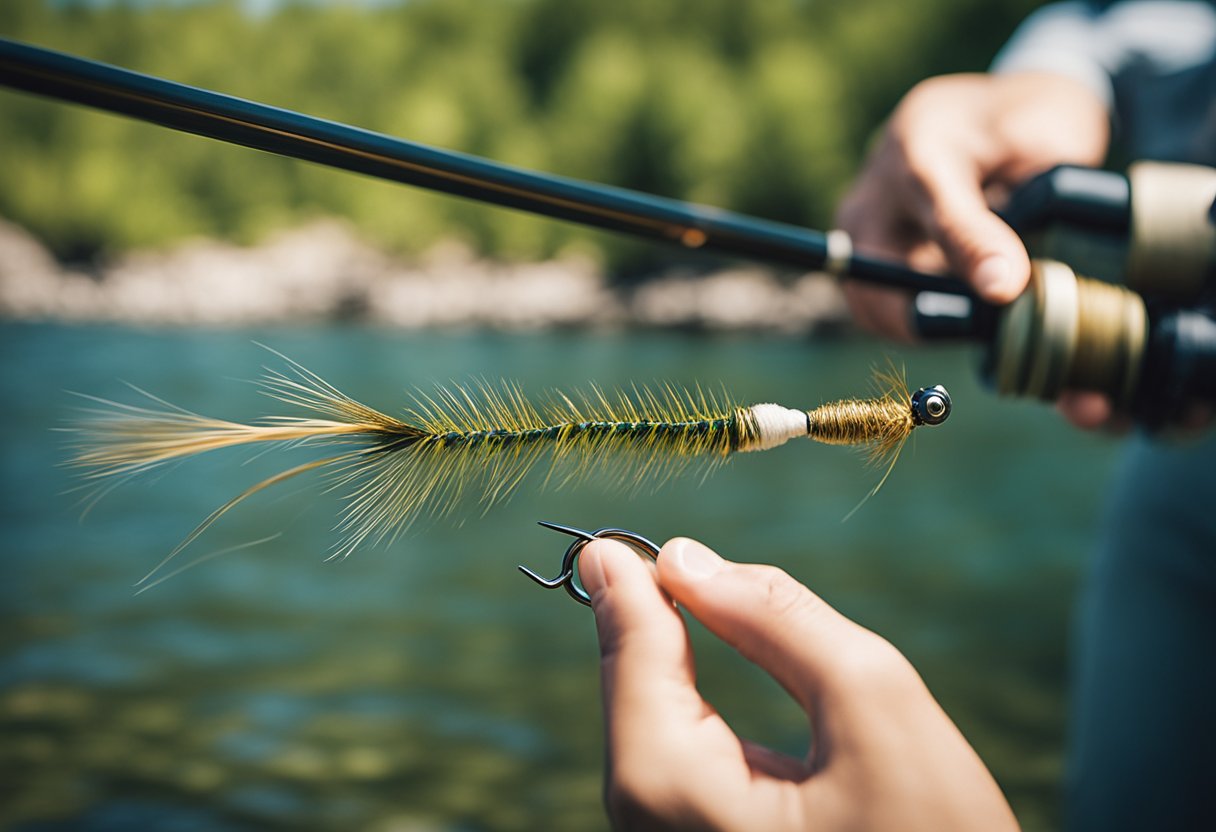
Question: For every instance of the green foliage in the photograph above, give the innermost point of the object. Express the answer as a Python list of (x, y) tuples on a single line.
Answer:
[(764, 107)]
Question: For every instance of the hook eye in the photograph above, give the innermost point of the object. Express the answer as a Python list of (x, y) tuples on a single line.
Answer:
[(930, 405)]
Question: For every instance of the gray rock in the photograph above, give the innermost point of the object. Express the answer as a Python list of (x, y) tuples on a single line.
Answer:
[(323, 271)]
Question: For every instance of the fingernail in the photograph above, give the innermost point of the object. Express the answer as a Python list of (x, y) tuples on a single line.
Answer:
[(993, 275), (695, 560)]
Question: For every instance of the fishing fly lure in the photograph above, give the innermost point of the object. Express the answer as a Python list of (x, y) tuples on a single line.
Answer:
[(482, 438)]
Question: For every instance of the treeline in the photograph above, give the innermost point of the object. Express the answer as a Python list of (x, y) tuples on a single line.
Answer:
[(764, 107)]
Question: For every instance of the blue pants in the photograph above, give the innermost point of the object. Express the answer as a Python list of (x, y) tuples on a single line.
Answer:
[(1143, 722)]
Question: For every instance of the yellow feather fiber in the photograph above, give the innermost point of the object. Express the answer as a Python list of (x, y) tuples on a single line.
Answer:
[(473, 441)]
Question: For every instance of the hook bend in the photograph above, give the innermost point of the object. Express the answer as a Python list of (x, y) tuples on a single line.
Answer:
[(565, 577)]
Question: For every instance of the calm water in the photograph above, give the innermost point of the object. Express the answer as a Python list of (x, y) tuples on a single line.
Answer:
[(428, 685)]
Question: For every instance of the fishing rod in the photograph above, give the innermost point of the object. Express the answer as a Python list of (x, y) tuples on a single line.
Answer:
[(1152, 357), (287, 133)]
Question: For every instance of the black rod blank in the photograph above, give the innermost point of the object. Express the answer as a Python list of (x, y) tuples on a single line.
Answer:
[(224, 117)]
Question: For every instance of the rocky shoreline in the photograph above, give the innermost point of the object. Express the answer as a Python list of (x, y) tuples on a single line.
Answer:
[(324, 272)]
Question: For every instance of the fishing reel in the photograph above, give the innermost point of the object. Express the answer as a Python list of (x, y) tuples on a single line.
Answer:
[(1142, 330)]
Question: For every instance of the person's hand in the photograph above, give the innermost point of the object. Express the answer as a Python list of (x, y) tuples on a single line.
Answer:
[(953, 145), (884, 754)]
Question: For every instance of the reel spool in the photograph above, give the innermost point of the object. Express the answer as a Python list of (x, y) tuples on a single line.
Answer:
[(1074, 333), (1069, 333)]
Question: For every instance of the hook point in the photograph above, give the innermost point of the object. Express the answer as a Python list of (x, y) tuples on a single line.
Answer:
[(570, 530)]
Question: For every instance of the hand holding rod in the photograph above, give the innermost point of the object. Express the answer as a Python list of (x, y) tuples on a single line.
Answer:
[(330, 143)]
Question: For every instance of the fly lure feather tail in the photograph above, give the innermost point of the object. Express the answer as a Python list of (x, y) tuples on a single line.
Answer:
[(481, 440)]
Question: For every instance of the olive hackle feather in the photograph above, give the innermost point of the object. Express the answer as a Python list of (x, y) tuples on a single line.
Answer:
[(472, 441), (880, 424)]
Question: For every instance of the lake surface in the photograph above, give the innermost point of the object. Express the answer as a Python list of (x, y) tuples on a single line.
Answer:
[(427, 685)]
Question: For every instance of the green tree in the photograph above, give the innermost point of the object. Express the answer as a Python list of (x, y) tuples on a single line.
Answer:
[(761, 107)]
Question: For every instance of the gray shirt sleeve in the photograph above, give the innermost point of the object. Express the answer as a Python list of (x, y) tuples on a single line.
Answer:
[(1062, 39), (1095, 46), (1152, 61)]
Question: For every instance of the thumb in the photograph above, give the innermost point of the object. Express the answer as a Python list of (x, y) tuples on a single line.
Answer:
[(770, 618), (979, 245)]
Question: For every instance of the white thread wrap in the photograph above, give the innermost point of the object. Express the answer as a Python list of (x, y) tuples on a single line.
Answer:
[(775, 425), (839, 252)]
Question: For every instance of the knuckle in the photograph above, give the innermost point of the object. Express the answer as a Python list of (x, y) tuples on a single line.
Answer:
[(943, 223), (922, 105), (932, 97), (913, 105), (784, 597), (927, 90), (875, 665)]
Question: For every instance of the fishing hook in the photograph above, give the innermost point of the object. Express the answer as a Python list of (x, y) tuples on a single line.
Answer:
[(565, 578)]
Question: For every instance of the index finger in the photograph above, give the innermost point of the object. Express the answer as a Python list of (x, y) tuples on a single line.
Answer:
[(648, 678), (945, 191)]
